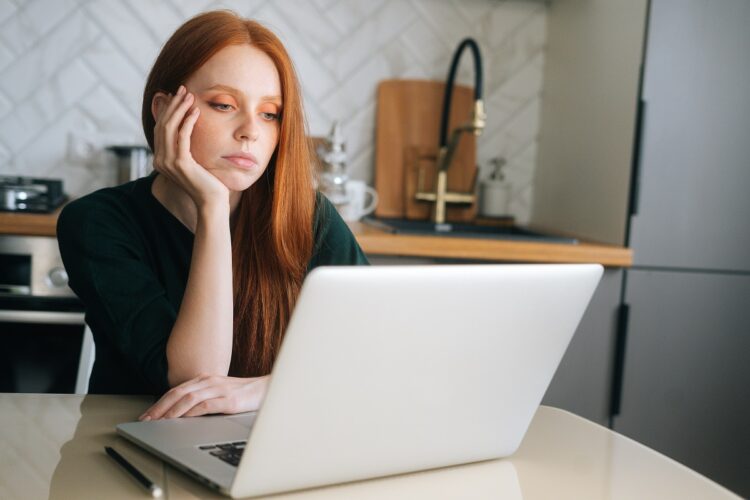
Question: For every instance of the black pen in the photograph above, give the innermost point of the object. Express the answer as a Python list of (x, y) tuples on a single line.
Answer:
[(146, 482)]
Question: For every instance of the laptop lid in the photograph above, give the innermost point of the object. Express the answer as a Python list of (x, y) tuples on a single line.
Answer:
[(386, 370)]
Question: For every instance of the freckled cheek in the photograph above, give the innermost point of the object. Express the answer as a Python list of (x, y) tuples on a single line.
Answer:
[(203, 141)]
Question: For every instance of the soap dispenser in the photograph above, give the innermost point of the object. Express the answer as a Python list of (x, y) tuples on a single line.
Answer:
[(333, 178), (495, 191)]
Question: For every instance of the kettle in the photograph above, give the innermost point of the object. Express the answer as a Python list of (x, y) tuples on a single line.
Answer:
[(133, 161)]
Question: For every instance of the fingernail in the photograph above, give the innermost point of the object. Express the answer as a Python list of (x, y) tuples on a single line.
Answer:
[(181, 90)]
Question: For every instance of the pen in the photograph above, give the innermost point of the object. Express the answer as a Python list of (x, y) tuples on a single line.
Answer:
[(146, 482)]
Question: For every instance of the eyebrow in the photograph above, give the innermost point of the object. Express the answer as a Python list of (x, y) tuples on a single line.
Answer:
[(232, 90)]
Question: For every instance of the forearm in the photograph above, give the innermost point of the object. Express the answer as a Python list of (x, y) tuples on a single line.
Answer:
[(201, 339)]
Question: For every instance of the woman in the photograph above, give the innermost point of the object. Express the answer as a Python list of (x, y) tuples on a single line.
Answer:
[(189, 276)]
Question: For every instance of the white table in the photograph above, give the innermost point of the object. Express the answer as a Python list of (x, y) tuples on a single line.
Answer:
[(53, 446)]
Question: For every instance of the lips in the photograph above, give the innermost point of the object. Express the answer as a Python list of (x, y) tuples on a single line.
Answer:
[(242, 159)]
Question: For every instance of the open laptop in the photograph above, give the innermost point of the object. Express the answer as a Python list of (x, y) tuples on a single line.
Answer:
[(390, 369)]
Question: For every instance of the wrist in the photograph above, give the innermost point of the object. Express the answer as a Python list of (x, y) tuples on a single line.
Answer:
[(213, 209)]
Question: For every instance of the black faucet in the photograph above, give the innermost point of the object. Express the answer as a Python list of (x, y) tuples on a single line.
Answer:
[(478, 106), (441, 195)]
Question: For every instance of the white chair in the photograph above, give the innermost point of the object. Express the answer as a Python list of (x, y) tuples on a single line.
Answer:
[(86, 362)]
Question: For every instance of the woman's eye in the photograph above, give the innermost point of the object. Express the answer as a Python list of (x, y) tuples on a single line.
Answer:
[(270, 116), (220, 106)]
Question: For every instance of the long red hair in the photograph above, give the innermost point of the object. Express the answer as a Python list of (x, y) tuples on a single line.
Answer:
[(272, 227)]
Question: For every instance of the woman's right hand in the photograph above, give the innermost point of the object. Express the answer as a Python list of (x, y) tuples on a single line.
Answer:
[(172, 155)]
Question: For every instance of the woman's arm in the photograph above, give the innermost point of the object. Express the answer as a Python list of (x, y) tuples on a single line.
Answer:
[(200, 342)]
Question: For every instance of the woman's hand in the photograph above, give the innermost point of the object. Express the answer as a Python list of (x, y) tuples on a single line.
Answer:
[(172, 156), (210, 394)]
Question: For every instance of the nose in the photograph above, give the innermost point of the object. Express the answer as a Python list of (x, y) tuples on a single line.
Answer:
[(247, 129)]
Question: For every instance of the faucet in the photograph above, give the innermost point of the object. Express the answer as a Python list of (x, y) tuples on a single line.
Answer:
[(441, 196)]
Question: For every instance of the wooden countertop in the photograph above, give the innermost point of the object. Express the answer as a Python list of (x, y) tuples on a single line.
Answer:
[(29, 224), (378, 242)]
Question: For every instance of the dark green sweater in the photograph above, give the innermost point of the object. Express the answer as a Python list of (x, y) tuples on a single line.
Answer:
[(128, 260)]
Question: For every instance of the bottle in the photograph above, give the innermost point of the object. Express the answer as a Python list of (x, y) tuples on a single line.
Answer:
[(495, 191), (333, 178)]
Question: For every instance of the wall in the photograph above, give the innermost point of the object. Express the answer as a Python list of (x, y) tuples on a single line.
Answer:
[(72, 73)]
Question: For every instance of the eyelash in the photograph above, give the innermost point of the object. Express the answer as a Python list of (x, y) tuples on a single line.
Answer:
[(217, 105)]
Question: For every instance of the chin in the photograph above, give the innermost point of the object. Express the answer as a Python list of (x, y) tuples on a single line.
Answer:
[(238, 180)]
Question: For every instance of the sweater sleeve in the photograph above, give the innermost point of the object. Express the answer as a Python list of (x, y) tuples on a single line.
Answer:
[(107, 266), (335, 245)]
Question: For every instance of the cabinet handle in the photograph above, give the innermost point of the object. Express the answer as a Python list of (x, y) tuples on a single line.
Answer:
[(619, 364), (635, 183)]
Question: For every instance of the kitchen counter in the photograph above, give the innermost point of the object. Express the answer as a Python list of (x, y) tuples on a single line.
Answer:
[(376, 241), (29, 224)]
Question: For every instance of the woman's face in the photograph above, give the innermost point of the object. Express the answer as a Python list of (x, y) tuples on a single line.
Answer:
[(239, 95)]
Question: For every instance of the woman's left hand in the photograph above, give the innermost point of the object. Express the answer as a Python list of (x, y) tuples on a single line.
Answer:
[(210, 394)]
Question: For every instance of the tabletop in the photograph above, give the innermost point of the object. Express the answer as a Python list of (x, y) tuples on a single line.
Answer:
[(52, 446)]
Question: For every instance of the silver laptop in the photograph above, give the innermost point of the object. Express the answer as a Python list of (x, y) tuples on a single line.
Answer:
[(390, 369)]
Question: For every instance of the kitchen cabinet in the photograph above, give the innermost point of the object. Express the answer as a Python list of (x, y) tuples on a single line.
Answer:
[(582, 381), (589, 105), (685, 379), (643, 143)]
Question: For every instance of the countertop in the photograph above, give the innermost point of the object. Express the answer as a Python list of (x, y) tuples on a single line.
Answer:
[(376, 241), (53, 446)]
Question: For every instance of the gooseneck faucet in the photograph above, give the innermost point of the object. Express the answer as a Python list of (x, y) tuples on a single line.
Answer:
[(441, 196)]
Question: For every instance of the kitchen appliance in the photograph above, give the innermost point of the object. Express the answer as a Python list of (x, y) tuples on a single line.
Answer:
[(30, 194), (47, 347), (132, 161)]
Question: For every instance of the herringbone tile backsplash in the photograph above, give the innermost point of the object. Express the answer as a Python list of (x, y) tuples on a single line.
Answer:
[(74, 70)]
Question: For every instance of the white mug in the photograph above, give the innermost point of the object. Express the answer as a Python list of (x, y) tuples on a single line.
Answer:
[(355, 207)]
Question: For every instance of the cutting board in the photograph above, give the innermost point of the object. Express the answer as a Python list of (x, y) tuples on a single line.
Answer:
[(407, 136)]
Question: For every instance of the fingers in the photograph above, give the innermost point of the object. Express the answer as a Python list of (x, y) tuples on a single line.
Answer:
[(209, 394), (183, 138), (173, 102), (174, 119), (173, 396), (190, 401), (167, 128), (221, 404)]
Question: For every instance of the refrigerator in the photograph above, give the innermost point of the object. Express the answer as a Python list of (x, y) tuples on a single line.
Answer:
[(682, 370)]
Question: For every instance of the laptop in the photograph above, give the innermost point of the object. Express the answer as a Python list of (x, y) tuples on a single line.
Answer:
[(386, 370)]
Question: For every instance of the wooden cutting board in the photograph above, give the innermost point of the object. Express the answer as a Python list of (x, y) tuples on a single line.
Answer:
[(407, 136)]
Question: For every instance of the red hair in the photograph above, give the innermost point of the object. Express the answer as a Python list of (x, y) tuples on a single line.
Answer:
[(272, 227)]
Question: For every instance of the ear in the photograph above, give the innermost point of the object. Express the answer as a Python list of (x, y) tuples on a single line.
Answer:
[(158, 104)]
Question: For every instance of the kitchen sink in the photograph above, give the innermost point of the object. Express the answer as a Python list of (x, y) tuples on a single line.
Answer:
[(461, 230)]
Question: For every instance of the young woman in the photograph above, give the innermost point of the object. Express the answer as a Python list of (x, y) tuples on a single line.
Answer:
[(189, 276)]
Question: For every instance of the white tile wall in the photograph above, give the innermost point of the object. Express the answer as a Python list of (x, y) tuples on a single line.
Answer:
[(78, 67)]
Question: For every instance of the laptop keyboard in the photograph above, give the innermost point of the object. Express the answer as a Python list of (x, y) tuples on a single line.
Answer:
[(228, 452)]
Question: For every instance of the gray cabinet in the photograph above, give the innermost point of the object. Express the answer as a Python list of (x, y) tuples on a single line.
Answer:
[(685, 390), (683, 209), (687, 352), (693, 197)]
